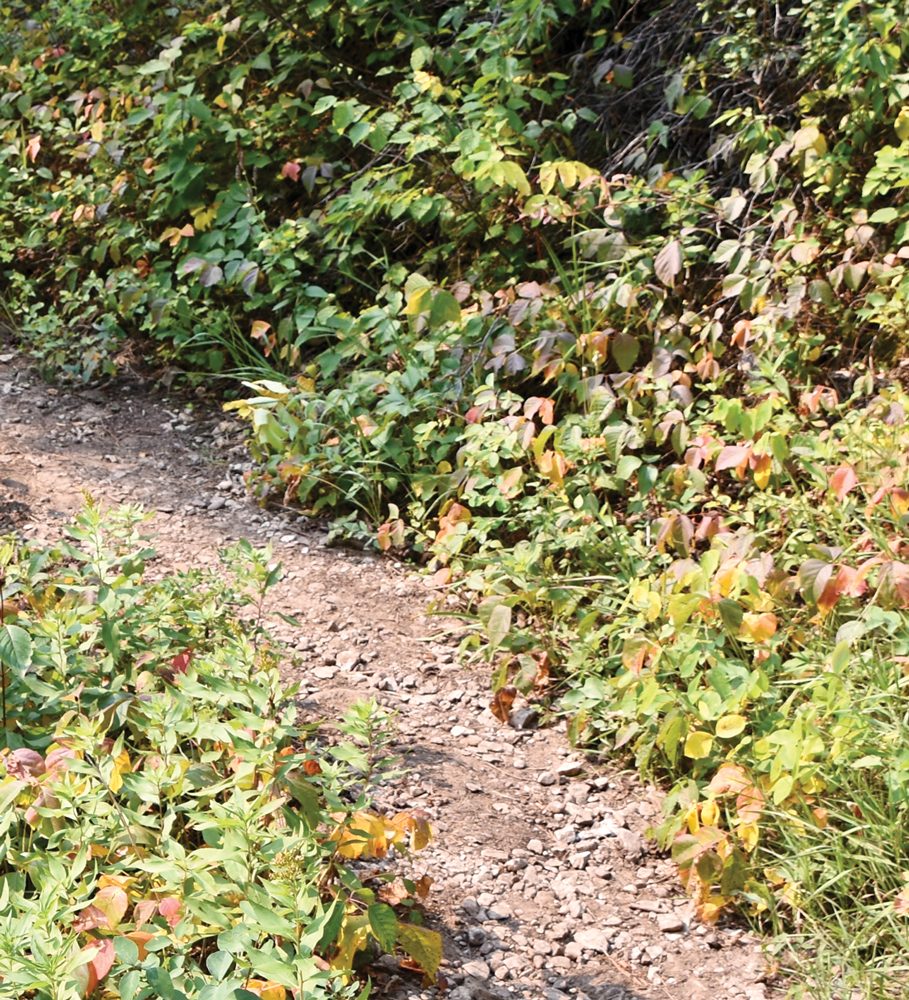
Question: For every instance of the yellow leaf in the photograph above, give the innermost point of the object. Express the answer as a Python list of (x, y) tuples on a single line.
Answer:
[(423, 946), (352, 938), (901, 125), (763, 465), (220, 44), (730, 725), (710, 813), (698, 744), (121, 766), (97, 129), (748, 834)]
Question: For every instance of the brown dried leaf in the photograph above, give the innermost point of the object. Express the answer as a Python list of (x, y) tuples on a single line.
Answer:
[(500, 706)]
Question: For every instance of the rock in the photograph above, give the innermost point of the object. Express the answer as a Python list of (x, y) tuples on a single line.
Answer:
[(460, 731), (218, 503), (324, 673), (347, 659), (593, 940), (670, 923), (648, 906), (524, 718), (632, 843), (476, 969), (569, 768), (535, 846), (547, 778), (475, 936)]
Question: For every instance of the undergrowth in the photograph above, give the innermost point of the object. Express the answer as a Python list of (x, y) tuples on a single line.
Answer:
[(586, 306), (168, 829)]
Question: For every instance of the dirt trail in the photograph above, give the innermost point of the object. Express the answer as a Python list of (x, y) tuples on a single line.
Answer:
[(544, 883)]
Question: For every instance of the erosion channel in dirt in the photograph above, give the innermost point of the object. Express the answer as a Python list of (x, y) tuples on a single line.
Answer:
[(545, 885)]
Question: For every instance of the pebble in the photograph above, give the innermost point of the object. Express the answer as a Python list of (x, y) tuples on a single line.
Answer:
[(670, 923), (347, 659), (476, 969)]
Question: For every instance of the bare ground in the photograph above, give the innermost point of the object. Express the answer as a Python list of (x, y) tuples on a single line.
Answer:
[(545, 885)]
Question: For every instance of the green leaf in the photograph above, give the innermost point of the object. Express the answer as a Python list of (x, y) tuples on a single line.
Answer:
[(15, 647), (218, 963), (731, 613), (444, 309), (384, 925), (499, 625), (273, 965), (625, 350)]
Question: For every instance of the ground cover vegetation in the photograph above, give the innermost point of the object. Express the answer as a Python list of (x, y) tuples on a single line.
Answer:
[(168, 827), (591, 306)]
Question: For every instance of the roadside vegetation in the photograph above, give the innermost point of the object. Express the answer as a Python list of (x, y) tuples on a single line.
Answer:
[(596, 309), (168, 827)]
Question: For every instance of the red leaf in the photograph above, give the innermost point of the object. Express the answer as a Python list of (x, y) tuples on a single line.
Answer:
[(89, 919), (143, 911), (180, 662), (733, 457), (100, 965), (291, 170), (843, 480), (169, 908)]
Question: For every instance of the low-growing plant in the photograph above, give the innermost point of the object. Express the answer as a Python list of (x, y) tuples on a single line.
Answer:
[(168, 828)]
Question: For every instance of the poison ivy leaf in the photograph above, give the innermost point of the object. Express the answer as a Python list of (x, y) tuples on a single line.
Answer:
[(625, 350), (730, 725), (444, 309), (15, 647), (499, 625), (698, 744), (423, 946), (384, 925), (668, 263)]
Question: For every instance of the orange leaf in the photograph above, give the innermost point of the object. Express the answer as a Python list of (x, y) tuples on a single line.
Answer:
[(899, 500), (749, 805), (843, 480), (500, 706), (267, 989), (140, 939), (440, 578), (760, 627), (33, 147), (729, 778)]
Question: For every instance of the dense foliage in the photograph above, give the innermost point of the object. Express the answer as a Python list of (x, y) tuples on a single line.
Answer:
[(167, 828), (586, 304)]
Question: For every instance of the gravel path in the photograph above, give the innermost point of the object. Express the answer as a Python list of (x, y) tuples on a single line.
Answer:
[(545, 885)]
